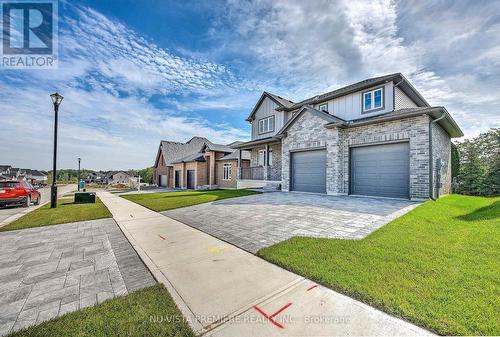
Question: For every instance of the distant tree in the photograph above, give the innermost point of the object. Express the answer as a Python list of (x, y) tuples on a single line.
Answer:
[(146, 175), (479, 166)]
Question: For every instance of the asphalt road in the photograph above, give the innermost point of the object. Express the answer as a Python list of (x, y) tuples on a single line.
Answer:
[(6, 212)]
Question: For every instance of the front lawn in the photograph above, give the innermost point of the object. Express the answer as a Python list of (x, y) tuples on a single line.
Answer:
[(146, 312), (66, 211), (169, 200), (437, 266)]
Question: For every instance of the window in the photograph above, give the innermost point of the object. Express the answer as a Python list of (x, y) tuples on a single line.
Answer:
[(266, 124), (373, 99), (227, 171), (323, 107), (262, 156)]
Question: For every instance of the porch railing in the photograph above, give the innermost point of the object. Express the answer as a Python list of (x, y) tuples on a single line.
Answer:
[(258, 173)]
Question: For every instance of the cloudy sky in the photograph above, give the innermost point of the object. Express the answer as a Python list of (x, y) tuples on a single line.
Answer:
[(135, 72)]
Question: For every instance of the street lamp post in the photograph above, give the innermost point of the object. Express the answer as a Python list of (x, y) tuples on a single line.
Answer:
[(56, 100), (78, 182)]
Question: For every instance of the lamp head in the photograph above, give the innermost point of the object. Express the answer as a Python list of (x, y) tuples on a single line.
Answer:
[(56, 98)]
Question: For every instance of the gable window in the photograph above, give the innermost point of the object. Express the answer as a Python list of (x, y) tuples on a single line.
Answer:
[(266, 124), (373, 100), (323, 107), (226, 172)]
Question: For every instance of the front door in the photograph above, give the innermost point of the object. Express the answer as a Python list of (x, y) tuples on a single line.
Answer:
[(178, 179), (190, 179)]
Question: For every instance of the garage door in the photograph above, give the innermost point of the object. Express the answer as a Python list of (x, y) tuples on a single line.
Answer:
[(163, 180), (309, 171), (381, 170)]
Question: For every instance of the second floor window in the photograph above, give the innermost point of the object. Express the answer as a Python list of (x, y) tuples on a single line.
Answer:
[(373, 100), (266, 124), (323, 107)]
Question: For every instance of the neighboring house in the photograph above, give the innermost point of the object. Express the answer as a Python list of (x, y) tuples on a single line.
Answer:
[(13, 173), (38, 177), (197, 164), (118, 177), (377, 137)]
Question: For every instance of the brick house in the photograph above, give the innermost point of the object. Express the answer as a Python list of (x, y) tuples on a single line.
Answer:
[(377, 137), (198, 164)]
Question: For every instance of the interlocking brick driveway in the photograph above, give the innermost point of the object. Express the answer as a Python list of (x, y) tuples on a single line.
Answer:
[(261, 220), (48, 271)]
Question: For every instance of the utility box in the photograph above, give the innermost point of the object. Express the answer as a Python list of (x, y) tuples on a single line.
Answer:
[(85, 198)]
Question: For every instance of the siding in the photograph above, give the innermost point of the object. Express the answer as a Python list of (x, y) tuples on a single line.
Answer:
[(348, 107), (266, 109), (402, 101)]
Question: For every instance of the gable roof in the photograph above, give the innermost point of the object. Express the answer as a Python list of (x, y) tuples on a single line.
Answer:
[(322, 114), (175, 152), (245, 155), (282, 103), (399, 79)]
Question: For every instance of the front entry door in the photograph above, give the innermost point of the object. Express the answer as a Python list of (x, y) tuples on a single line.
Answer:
[(178, 179)]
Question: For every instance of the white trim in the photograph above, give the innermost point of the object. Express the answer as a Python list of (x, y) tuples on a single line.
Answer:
[(372, 99), (226, 171)]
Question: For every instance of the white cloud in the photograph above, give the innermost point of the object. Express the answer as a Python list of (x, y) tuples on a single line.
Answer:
[(108, 75), (313, 47)]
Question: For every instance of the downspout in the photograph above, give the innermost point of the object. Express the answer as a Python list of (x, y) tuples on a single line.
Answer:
[(431, 187)]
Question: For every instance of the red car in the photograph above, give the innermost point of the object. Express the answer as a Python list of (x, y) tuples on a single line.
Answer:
[(18, 193)]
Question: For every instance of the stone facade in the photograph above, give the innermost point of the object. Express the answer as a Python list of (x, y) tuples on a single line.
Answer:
[(441, 149), (308, 132), (415, 130)]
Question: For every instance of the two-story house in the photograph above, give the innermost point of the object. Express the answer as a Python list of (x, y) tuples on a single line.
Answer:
[(377, 137)]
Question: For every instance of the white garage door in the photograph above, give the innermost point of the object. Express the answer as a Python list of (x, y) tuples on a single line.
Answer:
[(163, 180)]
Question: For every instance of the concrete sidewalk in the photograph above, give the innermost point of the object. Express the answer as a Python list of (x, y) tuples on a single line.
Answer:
[(225, 291)]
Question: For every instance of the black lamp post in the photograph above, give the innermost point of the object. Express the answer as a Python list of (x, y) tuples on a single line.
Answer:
[(79, 160), (56, 99)]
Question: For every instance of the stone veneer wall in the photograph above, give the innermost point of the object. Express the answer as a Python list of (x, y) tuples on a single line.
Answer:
[(415, 130), (441, 148), (308, 132)]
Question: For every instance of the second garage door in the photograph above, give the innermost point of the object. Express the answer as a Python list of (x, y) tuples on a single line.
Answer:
[(309, 171), (381, 170)]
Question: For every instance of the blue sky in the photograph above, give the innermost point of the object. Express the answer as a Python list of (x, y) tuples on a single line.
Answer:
[(135, 72)]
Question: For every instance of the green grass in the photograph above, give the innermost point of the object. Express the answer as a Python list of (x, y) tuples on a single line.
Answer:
[(66, 211), (146, 312), (169, 200), (438, 266)]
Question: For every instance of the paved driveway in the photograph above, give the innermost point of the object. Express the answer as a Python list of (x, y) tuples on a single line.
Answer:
[(261, 220), (48, 271)]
